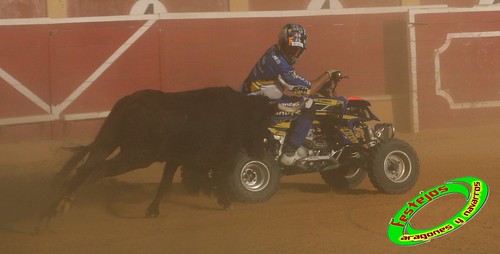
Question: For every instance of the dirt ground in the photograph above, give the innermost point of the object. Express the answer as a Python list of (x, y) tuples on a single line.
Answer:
[(303, 217)]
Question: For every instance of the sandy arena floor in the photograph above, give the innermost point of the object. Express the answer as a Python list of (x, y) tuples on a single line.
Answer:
[(303, 217)]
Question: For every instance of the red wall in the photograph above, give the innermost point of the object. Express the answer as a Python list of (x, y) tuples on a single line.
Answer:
[(23, 9), (88, 8), (224, 50), (468, 68), (43, 66), (172, 55)]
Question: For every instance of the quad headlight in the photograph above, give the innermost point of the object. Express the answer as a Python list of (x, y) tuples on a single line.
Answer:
[(384, 130)]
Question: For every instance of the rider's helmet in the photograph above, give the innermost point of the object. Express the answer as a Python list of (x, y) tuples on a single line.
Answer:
[(292, 41)]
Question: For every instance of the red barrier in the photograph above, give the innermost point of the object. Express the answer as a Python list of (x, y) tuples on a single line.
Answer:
[(218, 52), (73, 71), (59, 78), (457, 54)]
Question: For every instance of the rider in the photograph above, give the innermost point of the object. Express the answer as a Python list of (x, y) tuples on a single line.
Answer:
[(274, 76)]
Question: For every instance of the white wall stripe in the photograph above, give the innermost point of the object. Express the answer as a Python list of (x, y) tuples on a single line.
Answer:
[(85, 116), (97, 73), (413, 73), (50, 21), (28, 119), (317, 4), (150, 19), (437, 71), (218, 15), (24, 90), (412, 13)]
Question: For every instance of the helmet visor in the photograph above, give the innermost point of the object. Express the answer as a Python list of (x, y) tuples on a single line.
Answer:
[(296, 39), (294, 53), (296, 46)]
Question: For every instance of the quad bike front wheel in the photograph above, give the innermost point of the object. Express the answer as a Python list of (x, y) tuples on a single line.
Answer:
[(393, 166), (252, 180)]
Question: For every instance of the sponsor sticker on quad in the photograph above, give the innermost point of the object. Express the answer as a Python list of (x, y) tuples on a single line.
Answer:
[(473, 189)]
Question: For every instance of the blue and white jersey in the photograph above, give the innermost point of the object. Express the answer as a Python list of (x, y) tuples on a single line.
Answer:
[(272, 69)]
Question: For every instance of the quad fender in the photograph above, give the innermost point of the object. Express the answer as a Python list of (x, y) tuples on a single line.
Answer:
[(357, 102), (364, 105)]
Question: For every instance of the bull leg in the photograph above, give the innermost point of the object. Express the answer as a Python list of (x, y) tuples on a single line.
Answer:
[(124, 163), (97, 154), (62, 203), (94, 169), (70, 166), (98, 151), (221, 192), (165, 184)]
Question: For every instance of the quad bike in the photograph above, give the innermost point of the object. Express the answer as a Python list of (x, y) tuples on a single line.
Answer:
[(340, 146)]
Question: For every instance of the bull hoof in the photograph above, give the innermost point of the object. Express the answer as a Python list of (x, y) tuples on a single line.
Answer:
[(41, 228), (152, 213), (61, 206), (225, 203), (43, 224), (65, 205)]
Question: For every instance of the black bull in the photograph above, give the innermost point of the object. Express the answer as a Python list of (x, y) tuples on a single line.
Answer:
[(200, 130)]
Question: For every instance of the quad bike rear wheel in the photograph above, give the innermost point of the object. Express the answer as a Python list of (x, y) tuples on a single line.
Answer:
[(252, 180)]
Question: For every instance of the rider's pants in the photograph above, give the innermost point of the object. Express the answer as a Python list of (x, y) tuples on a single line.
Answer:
[(299, 130)]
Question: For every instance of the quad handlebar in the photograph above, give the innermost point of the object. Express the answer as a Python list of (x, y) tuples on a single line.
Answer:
[(328, 88), (336, 76)]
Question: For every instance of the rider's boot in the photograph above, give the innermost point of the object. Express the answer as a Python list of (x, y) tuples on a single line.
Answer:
[(289, 155)]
